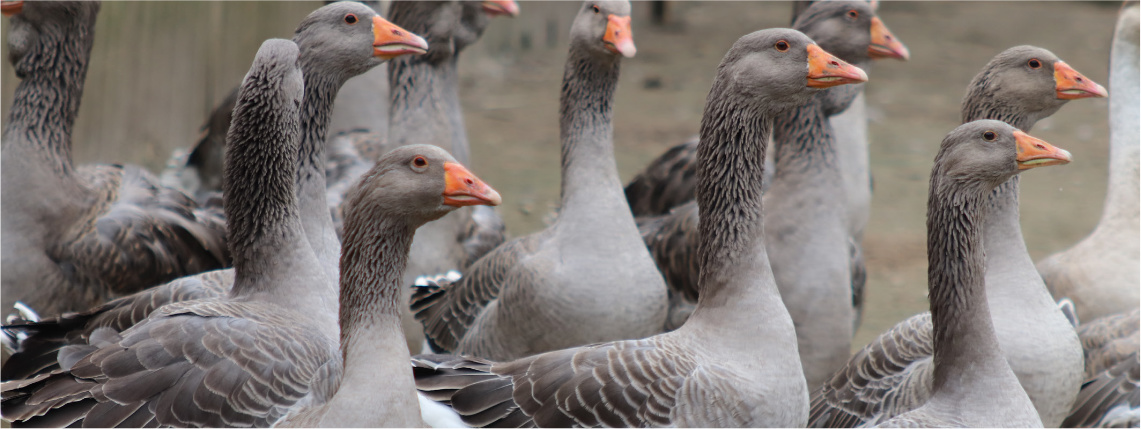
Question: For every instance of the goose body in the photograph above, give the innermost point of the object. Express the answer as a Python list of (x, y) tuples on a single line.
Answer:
[(968, 361), (734, 362), (407, 187), (1098, 272), (1111, 393), (73, 236), (806, 225), (560, 287), (1037, 339), (281, 301)]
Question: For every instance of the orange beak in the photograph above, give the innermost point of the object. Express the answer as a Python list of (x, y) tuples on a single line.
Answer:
[(884, 44), (825, 70), (1034, 152), (9, 8), (461, 188), (500, 7), (1071, 85), (391, 41), (619, 38)]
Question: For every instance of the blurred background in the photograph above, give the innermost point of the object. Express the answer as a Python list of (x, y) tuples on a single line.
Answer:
[(158, 69)]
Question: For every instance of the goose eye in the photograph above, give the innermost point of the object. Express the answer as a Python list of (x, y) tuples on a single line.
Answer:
[(781, 46), (990, 136), (420, 162), (853, 14), (1034, 63), (596, 8), (351, 19)]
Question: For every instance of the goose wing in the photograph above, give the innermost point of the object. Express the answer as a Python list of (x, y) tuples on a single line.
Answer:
[(889, 376), (200, 363)]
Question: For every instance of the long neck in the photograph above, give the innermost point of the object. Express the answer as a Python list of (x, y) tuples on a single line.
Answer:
[(964, 337), (736, 280), (320, 90), (807, 148), (265, 234), (589, 171), (1003, 232), (425, 105), (1121, 201), (46, 102), (377, 388)]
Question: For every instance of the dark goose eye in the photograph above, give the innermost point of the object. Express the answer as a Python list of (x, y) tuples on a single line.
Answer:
[(990, 136), (781, 46), (350, 19), (1034, 63)]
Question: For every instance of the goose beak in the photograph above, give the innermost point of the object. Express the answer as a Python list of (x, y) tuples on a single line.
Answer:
[(825, 70), (500, 7), (391, 41), (619, 39), (9, 8), (1071, 85), (461, 188), (1034, 152), (884, 44)]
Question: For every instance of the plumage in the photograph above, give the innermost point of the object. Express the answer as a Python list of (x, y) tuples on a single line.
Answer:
[(734, 362), (554, 288), (79, 236), (1109, 396), (270, 344), (1036, 338)]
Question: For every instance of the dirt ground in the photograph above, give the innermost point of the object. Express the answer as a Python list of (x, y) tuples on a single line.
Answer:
[(510, 96)]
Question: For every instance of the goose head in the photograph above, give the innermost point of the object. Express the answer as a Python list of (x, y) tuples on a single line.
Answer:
[(349, 38), (850, 30), (37, 30), (603, 28), (421, 183), (990, 152), (1032, 80), (781, 68)]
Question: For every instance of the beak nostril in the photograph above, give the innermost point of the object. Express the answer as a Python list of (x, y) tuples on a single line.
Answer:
[(835, 63), (397, 33), (1040, 146), (469, 181)]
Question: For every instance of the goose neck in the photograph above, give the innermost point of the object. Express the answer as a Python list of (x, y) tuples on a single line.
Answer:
[(730, 159), (316, 109), (1121, 202), (803, 142), (426, 106), (46, 101), (589, 171), (373, 260), (964, 337)]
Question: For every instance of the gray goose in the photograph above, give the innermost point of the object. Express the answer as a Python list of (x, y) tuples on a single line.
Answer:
[(186, 363), (892, 374), (590, 264), (806, 226), (1098, 273), (1111, 395), (971, 383), (72, 236), (408, 187), (325, 65), (668, 181), (425, 107), (734, 362)]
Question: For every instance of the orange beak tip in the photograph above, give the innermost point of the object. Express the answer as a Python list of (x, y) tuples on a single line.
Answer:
[(391, 41), (501, 7), (619, 38), (1071, 85), (462, 188)]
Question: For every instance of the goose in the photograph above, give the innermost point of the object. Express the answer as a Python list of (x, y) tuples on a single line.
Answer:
[(1099, 273), (806, 226), (332, 49), (76, 236), (407, 187), (425, 107), (734, 362), (974, 158), (1110, 396), (892, 374), (559, 287)]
